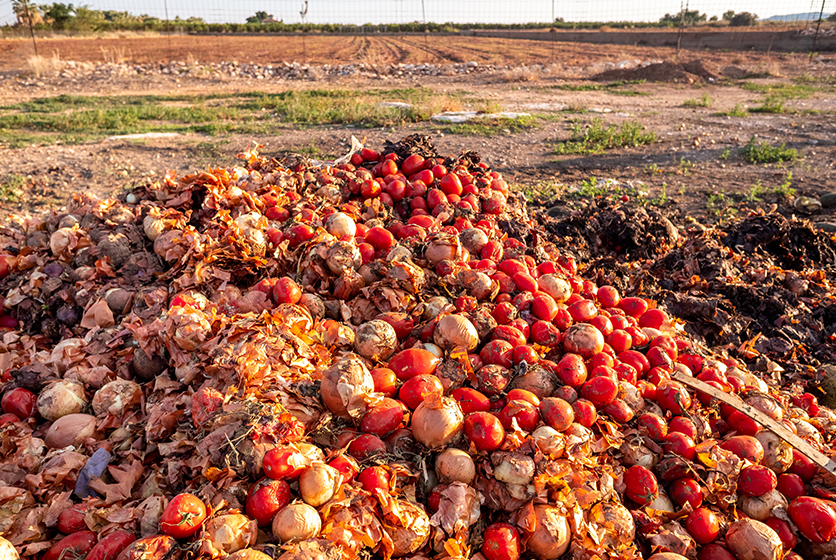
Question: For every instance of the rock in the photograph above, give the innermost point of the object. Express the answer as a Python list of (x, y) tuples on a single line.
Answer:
[(734, 72), (828, 200)]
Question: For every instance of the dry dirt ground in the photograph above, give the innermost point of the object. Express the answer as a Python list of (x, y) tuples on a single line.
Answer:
[(693, 169)]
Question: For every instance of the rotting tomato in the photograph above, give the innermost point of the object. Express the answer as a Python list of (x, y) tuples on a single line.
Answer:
[(654, 425), (673, 397), (502, 542), (412, 362), (265, 498), (791, 486), (471, 400), (21, 402), (714, 552), (286, 291), (72, 546), (382, 418), (679, 444), (556, 413), (385, 381), (414, 390), (784, 532), (183, 516), (524, 413), (585, 413), (641, 483), (703, 525), (686, 491), (815, 519), (374, 478), (756, 480), (683, 425), (801, 465), (571, 370), (284, 462), (600, 391), (484, 430), (366, 446)]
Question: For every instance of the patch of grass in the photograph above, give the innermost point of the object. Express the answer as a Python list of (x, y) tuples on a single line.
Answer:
[(764, 152), (660, 199), (491, 126), (755, 192), (773, 104), (724, 155), (12, 187), (72, 119), (612, 87), (703, 101), (544, 190), (785, 189), (783, 90), (720, 206), (737, 111), (595, 138)]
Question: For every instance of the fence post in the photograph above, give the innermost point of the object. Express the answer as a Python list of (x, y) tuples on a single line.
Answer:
[(31, 30), (818, 26)]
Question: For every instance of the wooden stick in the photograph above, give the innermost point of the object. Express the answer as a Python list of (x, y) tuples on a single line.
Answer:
[(779, 429)]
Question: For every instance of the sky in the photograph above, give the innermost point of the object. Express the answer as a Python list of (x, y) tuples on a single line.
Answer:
[(441, 11)]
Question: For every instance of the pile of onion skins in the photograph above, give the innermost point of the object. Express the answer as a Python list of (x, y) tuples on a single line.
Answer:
[(473, 396)]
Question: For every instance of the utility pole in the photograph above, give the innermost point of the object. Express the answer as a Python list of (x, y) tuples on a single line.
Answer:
[(167, 24), (682, 12), (29, 21), (818, 26)]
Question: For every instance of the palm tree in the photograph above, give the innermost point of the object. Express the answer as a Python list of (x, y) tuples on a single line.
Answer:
[(27, 14)]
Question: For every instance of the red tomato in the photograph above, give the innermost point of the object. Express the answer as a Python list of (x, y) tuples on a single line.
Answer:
[(715, 552), (20, 402), (686, 491), (504, 313), (641, 484), (502, 542), (784, 532), (284, 463), (585, 412), (544, 307), (492, 379), (484, 430), (703, 525), (653, 318), (620, 340), (385, 381), (382, 418), (471, 400), (413, 362), (814, 518), (619, 411), (801, 465), (374, 478), (266, 498), (72, 520), (545, 334), (654, 425), (679, 444), (183, 516), (523, 395), (415, 389), (286, 291), (525, 354), (583, 310), (745, 447), (499, 351), (600, 391), (673, 397), (683, 425), (413, 164), (75, 545), (365, 446), (571, 370), (556, 413), (633, 306), (603, 324), (608, 296), (451, 184), (111, 546), (756, 480), (380, 238), (525, 414)]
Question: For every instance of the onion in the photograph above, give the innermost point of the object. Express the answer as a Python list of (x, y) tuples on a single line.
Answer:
[(343, 255), (777, 454), (313, 549), (749, 539), (583, 339), (513, 468), (296, 522), (454, 465), (248, 554), (437, 421), (193, 328), (683, 369), (7, 550), (538, 380), (434, 349), (118, 300), (453, 331), (408, 525), (549, 441), (748, 379), (228, 533), (116, 397), (435, 306), (808, 431), (478, 284), (667, 556), (631, 396), (473, 239), (376, 340), (634, 452), (760, 507), (72, 429), (619, 530), (555, 286), (765, 404), (153, 226), (340, 225), (345, 384), (444, 247), (318, 484), (150, 548), (551, 535), (170, 245), (662, 503), (60, 399), (145, 367), (314, 304), (61, 240)]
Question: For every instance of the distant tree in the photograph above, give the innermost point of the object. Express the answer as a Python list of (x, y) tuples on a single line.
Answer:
[(58, 14), (259, 17), (26, 11), (713, 18), (688, 17), (727, 16), (743, 19), (832, 17)]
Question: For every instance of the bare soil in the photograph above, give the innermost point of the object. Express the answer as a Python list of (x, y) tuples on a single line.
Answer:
[(693, 162)]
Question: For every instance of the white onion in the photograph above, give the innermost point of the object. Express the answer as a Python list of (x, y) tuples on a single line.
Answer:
[(749, 539), (116, 397), (777, 454), (296, 522), (444, 247), (344, 386), (434, 349), (318, 483), (453, 331), (437, 421), (760, 507), (473, 239), (153, 226), (343, 255), (620, 527), (555, 286), (340, 225), (60, 399), (549, 441), (454, 465), (60, 241), (228, 533), (477, 284), (766, 404), (551, 535), (7, 550), (513, 468), (583, 339), (435, 306), (409, 529), (375, 340), (662, 503)]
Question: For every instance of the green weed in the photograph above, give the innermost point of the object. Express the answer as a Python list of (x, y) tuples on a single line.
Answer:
[(660, 199), (763, 152), (785, 189), (594, 138), (773, 104), (724, 155), (737, 111), (703, 101), (12, 187), (492, 126), (755, 192)]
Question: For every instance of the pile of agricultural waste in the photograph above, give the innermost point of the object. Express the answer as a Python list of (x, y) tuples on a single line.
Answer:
[(391, 358)]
